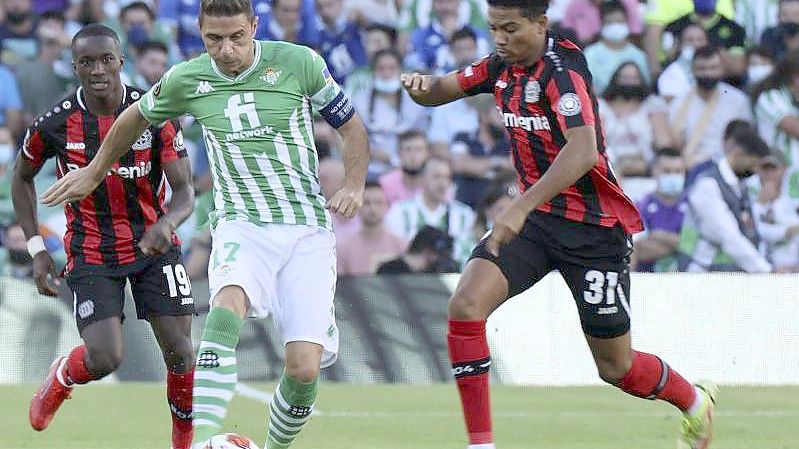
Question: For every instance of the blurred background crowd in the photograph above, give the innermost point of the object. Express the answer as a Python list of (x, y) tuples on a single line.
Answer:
[(698, 100)]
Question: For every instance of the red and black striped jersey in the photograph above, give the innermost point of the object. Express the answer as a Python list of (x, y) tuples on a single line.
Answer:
[(538, 104), (104, 228)]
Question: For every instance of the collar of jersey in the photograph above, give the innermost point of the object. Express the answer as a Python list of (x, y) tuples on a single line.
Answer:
[(79, 94), (255, 61)]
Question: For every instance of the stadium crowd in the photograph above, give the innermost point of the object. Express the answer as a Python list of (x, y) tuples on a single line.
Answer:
[(699, 101)]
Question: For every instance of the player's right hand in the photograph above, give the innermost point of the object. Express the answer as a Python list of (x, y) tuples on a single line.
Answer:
[(73, 186), (45, 275), (416, 83)]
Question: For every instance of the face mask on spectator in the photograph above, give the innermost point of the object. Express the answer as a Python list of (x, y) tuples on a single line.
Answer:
[(687, 53), (6, 153), (389, 86), (705, 6), (707, 83), (671, 184), (615, 31), (758, 73), (138, 35)]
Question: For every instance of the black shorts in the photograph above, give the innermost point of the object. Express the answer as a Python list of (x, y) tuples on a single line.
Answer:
[(160, 287), (593, 260)]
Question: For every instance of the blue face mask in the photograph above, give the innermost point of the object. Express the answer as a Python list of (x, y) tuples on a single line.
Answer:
[(671, 184), (138, 35), (705, 6)]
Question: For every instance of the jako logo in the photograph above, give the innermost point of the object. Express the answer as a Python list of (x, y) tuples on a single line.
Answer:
[(139, 170), (536, 123), (76, 146)]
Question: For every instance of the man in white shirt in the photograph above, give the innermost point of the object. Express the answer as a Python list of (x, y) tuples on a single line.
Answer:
[(700, 117), (719, 232), (776, 215)]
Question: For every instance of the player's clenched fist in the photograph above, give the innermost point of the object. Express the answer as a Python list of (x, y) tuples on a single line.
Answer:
[(416, 82)]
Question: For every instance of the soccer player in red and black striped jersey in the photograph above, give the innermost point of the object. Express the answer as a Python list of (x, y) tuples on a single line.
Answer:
[(572, 216), (121, 232)]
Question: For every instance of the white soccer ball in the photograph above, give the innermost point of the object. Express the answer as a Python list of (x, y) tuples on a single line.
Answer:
[(230, 441)]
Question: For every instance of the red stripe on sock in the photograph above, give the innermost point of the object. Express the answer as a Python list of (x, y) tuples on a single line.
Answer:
[(643, 378), (179, 395), (77, 373), (467, 343)]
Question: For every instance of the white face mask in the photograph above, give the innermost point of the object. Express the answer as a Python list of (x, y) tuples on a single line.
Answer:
[(671, 184), (615, 31), (758, 73), (687, 53), (6, 153), (389, 86)]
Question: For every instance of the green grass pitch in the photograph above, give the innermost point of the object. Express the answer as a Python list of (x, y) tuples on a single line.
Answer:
[(134, 416)]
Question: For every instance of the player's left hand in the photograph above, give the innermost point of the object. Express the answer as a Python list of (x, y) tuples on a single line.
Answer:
[(347, 201), (157, 238), (507, 225), (73, 186)]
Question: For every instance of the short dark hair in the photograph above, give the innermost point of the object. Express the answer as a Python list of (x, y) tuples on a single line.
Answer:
[(385, 52), (408, 135), (736, 127), (392, 33), (667, 152), (464, 33), (528, 8), (610, 6), (95, 30), (151, 46), (752, 144), (226, 8), (53, 15), (706, 52), (136, 5), (432, 238)]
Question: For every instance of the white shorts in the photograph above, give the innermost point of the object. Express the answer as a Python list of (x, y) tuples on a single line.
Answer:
[(288, 271)]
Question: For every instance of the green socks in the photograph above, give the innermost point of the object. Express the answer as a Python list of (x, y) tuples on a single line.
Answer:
[(290, 409), (215, 375)]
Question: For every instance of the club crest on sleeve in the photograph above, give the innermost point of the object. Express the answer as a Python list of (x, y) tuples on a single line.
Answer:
[(532, 91), (569, 104)]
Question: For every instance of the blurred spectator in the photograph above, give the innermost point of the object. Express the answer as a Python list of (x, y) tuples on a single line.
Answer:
[(756, 16), (139, 26), (418, 14), (477, 156), (784, 37), (380, 12), (495, 199), (776, 108), (719, 232), (7, 151), (660, 13), (429, 252), (776, 216), (152, 60), (635, 121), (614, 49), (43, 6), (450, 119), (723, 33), (48, 77), (662, 212), (678, 78), (378, 38), (699, 118), (19, 263), (557, 11), (405, 182), (387, 111), (760, 65), (18, 32), (331, 178), (10, 103), (339, 40), (367, 248), (432, 206), (429, 48), (287, 20), (730, 139), (585, 18)]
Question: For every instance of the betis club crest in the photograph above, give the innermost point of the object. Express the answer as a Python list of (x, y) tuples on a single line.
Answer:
[(270, 76), (532, 91)]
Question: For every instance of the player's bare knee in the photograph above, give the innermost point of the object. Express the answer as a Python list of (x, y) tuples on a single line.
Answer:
[(613, 369), (465, 306), (234, 298), (103, 361), (302, 372), (179, 357)]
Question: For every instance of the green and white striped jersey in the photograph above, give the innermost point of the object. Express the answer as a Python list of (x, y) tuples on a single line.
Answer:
[(407, 217), (258, 130), (756, 17), (773, 106)]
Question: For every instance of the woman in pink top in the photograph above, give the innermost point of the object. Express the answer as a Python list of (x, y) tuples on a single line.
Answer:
[(582, 16)]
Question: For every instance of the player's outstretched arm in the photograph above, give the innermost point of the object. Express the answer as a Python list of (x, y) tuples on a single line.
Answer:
[(78, 184), (577, 158), (23, 195), (430, 90), (349, 199)]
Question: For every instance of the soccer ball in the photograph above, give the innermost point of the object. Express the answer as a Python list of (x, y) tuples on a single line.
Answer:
[(230, 441)]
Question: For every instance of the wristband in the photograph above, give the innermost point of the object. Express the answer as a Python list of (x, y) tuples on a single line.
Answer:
[(36, 245)]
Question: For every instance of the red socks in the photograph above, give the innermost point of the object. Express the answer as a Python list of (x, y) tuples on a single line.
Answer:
[(76, 371), (179, 395), (468, 351), (651, 378)]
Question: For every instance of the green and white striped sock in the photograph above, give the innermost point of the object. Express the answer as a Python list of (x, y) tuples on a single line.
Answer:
[(290, 409), (216, 375)]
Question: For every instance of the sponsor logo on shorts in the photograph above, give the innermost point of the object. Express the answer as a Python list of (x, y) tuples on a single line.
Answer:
[(607, 310), (86, 309), (186, 301)]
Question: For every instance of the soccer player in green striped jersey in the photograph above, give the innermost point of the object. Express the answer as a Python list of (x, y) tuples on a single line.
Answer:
[(273, 248)]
